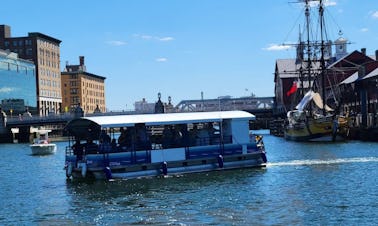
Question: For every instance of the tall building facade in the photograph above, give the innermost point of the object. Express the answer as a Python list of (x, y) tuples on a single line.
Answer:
[(82, 88), (44, 51), (17, 85)]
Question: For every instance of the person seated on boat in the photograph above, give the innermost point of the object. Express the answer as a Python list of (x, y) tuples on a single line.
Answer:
[(185, 139), (42, 139), (212, 133), (124, 140), (193, 135), (78, 150), (202, 136), (90, 147), (104, 137), (113, 144), (177, 136), (122, 136), (167, 137), (259, 140)]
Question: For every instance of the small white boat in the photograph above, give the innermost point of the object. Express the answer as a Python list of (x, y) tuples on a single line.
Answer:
[(41, 145)]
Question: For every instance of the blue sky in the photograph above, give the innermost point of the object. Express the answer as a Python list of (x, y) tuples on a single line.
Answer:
[(183, 47)]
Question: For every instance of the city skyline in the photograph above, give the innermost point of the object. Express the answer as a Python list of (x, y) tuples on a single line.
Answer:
[(183, 48)]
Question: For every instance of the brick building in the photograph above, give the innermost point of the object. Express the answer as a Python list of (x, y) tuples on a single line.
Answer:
[(81, 87)]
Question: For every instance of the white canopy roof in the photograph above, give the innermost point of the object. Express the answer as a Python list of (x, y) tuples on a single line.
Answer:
[(94, 124), (168, 118)]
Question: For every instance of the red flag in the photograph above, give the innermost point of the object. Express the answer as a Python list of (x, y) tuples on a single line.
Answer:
[(293, 89)]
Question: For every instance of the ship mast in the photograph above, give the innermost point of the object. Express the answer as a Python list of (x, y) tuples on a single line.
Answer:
[(309, 49), (322, 61), (307, 14)]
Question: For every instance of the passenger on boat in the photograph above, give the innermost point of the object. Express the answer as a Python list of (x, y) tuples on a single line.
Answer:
[(104, 137), (142, 138), (212, 133), (90, 147), (202, 137), (113, 144), (78, 150), (177, 136), (125, 139), (193, 135), (122, 137), (167, 137), (185, 136)]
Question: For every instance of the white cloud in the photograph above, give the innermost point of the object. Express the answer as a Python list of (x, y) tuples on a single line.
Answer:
[(146, 37), (364, 29), (6, 89), (156, 38), (375, 15), (117, 43), (161, 59), (275, 47), (166, 39)]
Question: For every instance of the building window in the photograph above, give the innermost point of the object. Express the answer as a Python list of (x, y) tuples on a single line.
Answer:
[(29, 51)]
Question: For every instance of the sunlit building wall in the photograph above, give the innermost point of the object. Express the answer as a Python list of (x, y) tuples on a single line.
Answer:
[(44, 51), (81, 87)]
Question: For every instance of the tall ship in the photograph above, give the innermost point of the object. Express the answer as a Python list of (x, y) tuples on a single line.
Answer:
[(315, 116)]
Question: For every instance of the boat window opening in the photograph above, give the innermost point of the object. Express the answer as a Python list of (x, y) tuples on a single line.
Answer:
[(141, 137)]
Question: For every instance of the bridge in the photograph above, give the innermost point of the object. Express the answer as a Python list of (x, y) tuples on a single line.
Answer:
[(261, 107), (250, 104)]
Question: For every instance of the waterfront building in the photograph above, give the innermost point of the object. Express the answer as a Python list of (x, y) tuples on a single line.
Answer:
[(82, 88), (17, 85), (44, 51), (143, 107), (338, 79), (291, 75)]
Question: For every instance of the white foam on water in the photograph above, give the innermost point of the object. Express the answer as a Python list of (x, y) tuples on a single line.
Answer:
[(308, 162)]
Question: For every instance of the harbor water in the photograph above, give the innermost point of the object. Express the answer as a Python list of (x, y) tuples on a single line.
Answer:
[(303, 184)]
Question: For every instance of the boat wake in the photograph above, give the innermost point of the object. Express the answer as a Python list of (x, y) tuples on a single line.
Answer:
[(322, 162)]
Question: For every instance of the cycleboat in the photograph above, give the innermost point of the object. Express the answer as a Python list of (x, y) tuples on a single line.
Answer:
[(133, 146)]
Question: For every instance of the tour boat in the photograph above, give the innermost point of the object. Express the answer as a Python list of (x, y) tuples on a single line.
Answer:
[(41, 144), (133, 146)]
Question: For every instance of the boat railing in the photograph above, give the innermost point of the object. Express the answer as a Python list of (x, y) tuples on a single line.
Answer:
[(204, 147)]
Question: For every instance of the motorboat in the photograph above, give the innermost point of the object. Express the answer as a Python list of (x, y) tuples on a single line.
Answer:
[(41, 144)]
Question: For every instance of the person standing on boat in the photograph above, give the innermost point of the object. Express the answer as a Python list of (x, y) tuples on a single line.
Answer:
[(78, 150)]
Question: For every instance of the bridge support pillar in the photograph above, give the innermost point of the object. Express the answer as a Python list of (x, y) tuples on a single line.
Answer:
[(5, 134), (24, 134)]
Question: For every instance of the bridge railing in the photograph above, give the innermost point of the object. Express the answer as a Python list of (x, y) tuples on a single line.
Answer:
[(64, 117), (39, 119)]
